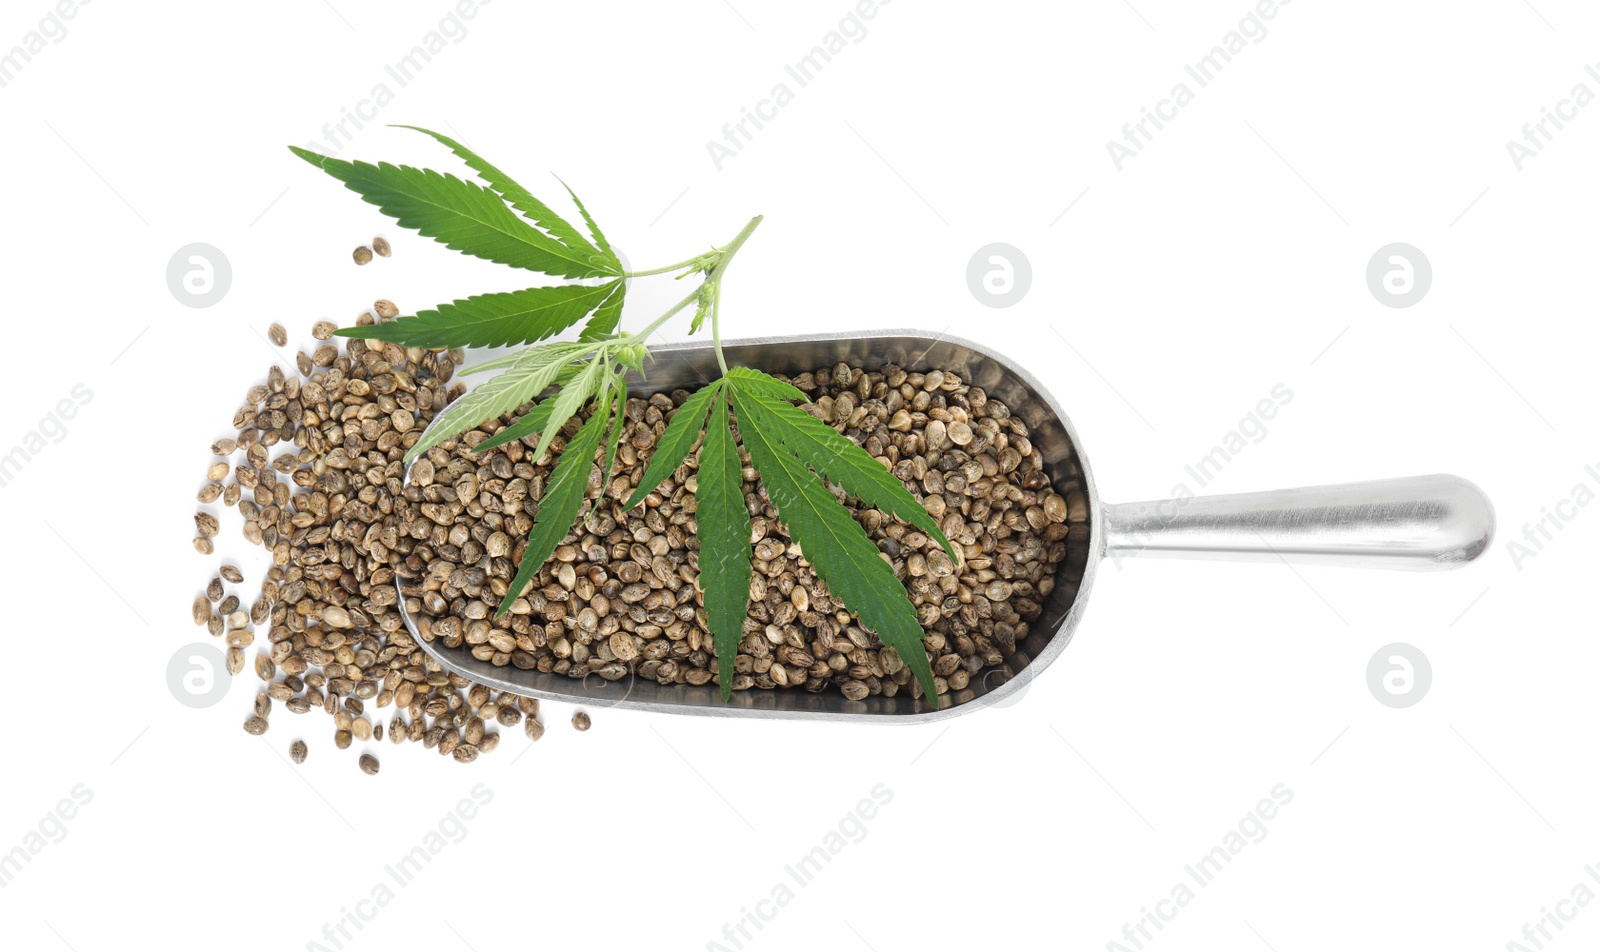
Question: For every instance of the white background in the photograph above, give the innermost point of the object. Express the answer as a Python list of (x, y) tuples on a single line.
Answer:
[(1229, 257)]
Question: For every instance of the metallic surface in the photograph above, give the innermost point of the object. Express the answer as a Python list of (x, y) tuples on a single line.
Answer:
[(1424, 522), (1418, 523)]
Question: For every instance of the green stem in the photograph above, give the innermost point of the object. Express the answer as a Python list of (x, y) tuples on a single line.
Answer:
[(712, 279), (661, 270), (716, 327), (733, 248), (715, 280)]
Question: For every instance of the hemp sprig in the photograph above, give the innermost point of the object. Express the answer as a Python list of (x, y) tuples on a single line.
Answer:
[(795, 454)]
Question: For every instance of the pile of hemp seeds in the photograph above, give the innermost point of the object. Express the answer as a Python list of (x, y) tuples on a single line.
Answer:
[(315, 472)]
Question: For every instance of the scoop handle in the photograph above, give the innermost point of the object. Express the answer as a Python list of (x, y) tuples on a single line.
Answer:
[(1416, 523)]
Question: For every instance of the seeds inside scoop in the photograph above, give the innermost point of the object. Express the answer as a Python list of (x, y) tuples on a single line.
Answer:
[(621, 599)]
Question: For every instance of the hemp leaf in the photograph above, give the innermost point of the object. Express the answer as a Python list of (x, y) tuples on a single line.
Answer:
[(461, 215), (528, 375), (790, 457), (494, 320), (836, 459), (531, 423), (558, 510), (674, 446), (724, 532), (518, 197)]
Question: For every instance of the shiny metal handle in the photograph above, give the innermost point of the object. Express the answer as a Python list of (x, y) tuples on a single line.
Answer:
[(1416, 523)]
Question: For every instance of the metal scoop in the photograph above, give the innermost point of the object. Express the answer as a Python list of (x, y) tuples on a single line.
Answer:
[(1420, 523)]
